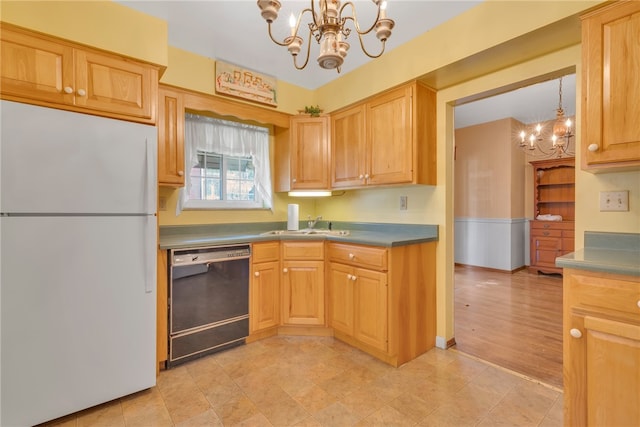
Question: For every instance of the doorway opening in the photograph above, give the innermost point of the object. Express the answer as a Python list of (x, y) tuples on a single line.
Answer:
[(503, 313)]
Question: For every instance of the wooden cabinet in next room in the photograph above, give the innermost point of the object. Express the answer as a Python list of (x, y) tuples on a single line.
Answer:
[(552, 230)]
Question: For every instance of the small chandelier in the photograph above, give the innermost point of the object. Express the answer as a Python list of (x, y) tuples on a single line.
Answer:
[(327, 26), (537, 142)]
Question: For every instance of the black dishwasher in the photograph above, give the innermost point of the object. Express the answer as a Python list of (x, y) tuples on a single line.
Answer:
[(208, 300)]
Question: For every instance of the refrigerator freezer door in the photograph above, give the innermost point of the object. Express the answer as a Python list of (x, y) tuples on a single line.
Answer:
[(56, 161), (78, 325)]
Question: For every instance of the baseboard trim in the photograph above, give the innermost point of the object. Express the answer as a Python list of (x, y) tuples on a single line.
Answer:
[(457, 264), (443, 343)]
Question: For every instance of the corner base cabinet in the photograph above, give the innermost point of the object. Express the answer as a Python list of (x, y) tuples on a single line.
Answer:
[(303, 283), (601, 349)]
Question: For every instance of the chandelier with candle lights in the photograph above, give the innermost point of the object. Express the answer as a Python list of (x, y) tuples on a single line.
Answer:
[(537, 141), (328, 25)]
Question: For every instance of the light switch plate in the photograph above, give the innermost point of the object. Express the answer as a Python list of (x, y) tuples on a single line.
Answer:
[(614, 201), (403, 203)]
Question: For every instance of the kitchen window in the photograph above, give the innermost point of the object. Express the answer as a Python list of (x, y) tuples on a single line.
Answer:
[(228, 164)]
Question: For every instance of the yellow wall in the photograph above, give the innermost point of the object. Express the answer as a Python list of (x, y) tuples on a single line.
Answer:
[(482, 27), (190, 71), (488, 25), (102, 24)]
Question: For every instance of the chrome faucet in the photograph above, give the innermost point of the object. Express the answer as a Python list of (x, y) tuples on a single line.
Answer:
[(312, 222)]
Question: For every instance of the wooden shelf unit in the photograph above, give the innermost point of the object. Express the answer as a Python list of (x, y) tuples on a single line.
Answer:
[(553, 194)]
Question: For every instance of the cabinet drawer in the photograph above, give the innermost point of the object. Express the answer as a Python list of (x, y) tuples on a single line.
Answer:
[(552, 225), (303, 250), (545, 233), (360, 256), (604, 293), (265, 252)]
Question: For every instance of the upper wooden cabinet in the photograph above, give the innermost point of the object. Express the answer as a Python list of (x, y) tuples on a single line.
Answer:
[(170, 137), (302, 159), (47, 71), (348, 147), (387, 139), (610, 84)]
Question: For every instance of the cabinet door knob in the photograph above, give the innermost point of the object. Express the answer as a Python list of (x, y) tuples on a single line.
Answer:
[(361, 176), (348, 276), (366, 176), (638, 303), (68, 89), (351, 256), (575, 333), (180, 173), (353, 278), (593, 147), (284, 270), (294, 180), (257, 274), (82, 92)]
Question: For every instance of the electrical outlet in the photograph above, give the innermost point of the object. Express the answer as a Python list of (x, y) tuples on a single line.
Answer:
[(614, 201), (403, 203), (162, 203)]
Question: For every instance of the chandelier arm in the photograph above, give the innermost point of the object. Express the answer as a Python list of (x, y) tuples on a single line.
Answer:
[(284, 44), (354, 18), (366, 52), (306, 61)]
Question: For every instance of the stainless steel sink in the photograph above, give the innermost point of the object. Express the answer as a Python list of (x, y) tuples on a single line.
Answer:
[(307, 232)]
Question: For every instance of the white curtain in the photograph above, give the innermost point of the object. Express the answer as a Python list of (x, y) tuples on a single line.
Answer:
[(230, 139)]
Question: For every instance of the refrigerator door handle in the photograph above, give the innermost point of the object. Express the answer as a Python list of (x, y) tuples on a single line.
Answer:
[(150, 178), (149, 231)]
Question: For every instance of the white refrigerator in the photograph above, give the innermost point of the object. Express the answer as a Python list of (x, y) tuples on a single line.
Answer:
[(77, 261)]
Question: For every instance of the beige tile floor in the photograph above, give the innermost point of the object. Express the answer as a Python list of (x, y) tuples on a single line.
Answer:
[(313, 381)]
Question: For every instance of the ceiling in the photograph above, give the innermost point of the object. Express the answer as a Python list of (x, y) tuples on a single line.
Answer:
[(234, 31)]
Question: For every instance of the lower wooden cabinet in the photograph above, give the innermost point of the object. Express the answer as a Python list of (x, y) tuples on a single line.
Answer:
[(358, 304), (303, 283), (382, 300), (264, 288), (601, 353)]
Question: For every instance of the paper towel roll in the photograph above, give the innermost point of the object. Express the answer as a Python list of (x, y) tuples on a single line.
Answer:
[(292, 217)]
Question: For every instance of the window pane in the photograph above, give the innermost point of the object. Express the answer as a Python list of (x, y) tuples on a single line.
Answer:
[(212, 189)]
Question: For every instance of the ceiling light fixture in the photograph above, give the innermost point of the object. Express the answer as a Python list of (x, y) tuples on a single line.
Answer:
[(328, 25), (537, 142)]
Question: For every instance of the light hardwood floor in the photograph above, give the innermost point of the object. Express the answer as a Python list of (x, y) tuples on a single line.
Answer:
[(511, 320)]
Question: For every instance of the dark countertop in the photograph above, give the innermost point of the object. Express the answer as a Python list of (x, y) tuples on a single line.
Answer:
[(617, 253), (376, 234)]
